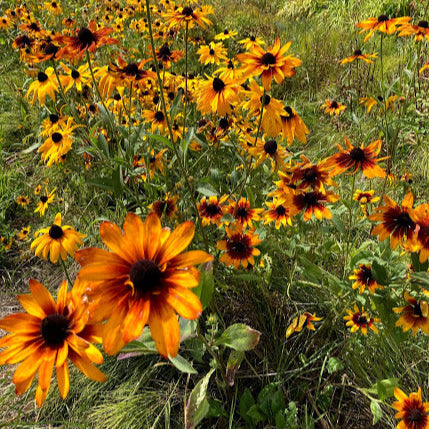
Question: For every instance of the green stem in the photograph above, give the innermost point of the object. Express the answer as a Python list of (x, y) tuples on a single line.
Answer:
[(186, 78), (65, 271), (349, 233)]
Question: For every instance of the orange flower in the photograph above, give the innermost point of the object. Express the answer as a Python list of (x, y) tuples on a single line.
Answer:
[(279, 212), (269, 64), (360, 320), (415, 315), (411, 409), (243, 213), (420, 215), (46, 336), (211, 210), (308, 175), (298, 323), (143, 279), (362, 158), (358, 55), (419, 31), (293, 126), (332, 107), (396, 221), (382, 24), (364, 278), (239, 247)]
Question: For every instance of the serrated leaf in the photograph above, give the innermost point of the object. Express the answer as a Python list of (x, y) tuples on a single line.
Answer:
[(334, 364), (239, 337), (377, 412), (196, 408), (182, 365)]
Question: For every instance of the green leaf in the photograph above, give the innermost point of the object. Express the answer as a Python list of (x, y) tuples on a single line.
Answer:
[(246, 402), (239, 337), (417, 265), (162, 139), (102, 183), (117, 181), (277, 402), (182, 365), (255, 414), (102, 145), (334, 364), (379, 272), (205, 288), (386, 387), (377, 412), (233, 365), (197, 406), (207, 190)]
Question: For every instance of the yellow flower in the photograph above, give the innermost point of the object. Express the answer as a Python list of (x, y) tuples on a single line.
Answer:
[(46, 84), (298, 323)]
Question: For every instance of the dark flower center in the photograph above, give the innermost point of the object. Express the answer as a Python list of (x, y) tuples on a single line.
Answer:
[(145, 275), (42, 77), (86, 37), (289, 111), (56, 137), (366, 274), (226, 32), (155, 99), (51, 49), (270, 147), (310, 175), (383, 18), (187, 11), (54, 329), (131, 69), (213, 210), (265, 99), (357, 154), (404, 221), (54, 4), (362, 320), (218, 84), (241, 212), (54, 118), (230, 65), (310, 198), (171, 95), (238, 247), (334, 104), (92, 108), (75, 74), (152, 159), (281, 211), (211, 52), (164, 52), (159, 116), (357, 52), (34, 26), (423, 24), (415, 415), (43, 199), (56, 232), (268, 59), (252, 38), (223, 123), (117, 97), (417, 311)]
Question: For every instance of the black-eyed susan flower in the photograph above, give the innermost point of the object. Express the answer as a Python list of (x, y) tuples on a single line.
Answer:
[(5, 244), (250, 42), (87, 39), (166, 56), (23, 200), (226, 34), (370, 102), (46, 337), (358, 55), (157, 120), (358, 158), (37, 189), (228, 70), (144, 278), (131, 72), (332, 107), (299, 322), (216, 95), (309, 175), (239, 247), (23, 234), (46, 84), (364, 279), (54, 7), (364, 198), (425, 67), (293, 126), (156, 162), (52, 123), (412, 411), (56, 240), (360, 319), (45, 199), (414, 316), (211, 209), (382, 24), (270, 64), (166, 207), (75, 76), (396, 221), (268, 149), (419, 31), (213, 53), (278, 212), (420, 216), (189, 14), (243, 213)]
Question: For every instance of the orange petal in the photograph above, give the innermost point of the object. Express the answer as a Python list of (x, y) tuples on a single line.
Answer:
[(20, 322), (29, 366), (164, 328), (178, 240), (63, 379), (135, 320), (134, 231), (189, 258), (86, 367), (151, 235), (113, 238), (62, 296), (42, 297), (46, 368), (185, 302)]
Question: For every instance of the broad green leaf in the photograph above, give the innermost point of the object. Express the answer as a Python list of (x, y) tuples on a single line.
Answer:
[(239, 337), (205, 288), (182, 365), (379, 272), (334, 364), (386, 387), (377, 412), (246, 402), (233, 365), (207, 190)]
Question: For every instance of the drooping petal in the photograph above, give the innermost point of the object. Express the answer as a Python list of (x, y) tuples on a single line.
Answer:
[(63, 379), (136, 319), (42, 296)]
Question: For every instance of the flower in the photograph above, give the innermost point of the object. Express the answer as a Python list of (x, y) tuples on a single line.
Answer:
[(87, 39), (364, 278), (298, 323), (250, 42), (360, 320), (358, 55), (411, 409), (166, 206), (415, 315), (269, 64), (46, 84), (308, 175), (45, 200), (332, 107), (239, 247), (46, 336), (293, 126), (22, 200), (78, 76), (190, 15), (211, 210), (382, 24), (363, 158), (53, 7), (279, 212), (212, 53), (156, 118), (420, 216), (419, 31), (242, 212), (58, 240), (217, 95), (364, 198), (396, 221), (23, 234), (268, 149), (156, 162), (370, 102), (144, 278), (226, 34)]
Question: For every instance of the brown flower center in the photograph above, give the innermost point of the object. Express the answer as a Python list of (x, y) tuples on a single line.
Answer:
[(131, 69), (159, 116), (281, 211), (238, 247), (310, 175), (357, 52), (42, 77), (218, 84), (54, 329), (56, 137), (86, 37), (56, 232), (211, 52), (268, 59), (145, 275), (265, 99), (362, 320), (334, 105), (404, 221), (54, 118), (383, 18), (310, 198), (270, 147), (213, 210), (223, 123), (423, 24), (43, 199), (417, 311), (415, 415), (187, 11), (357, 154), (164, 52)]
